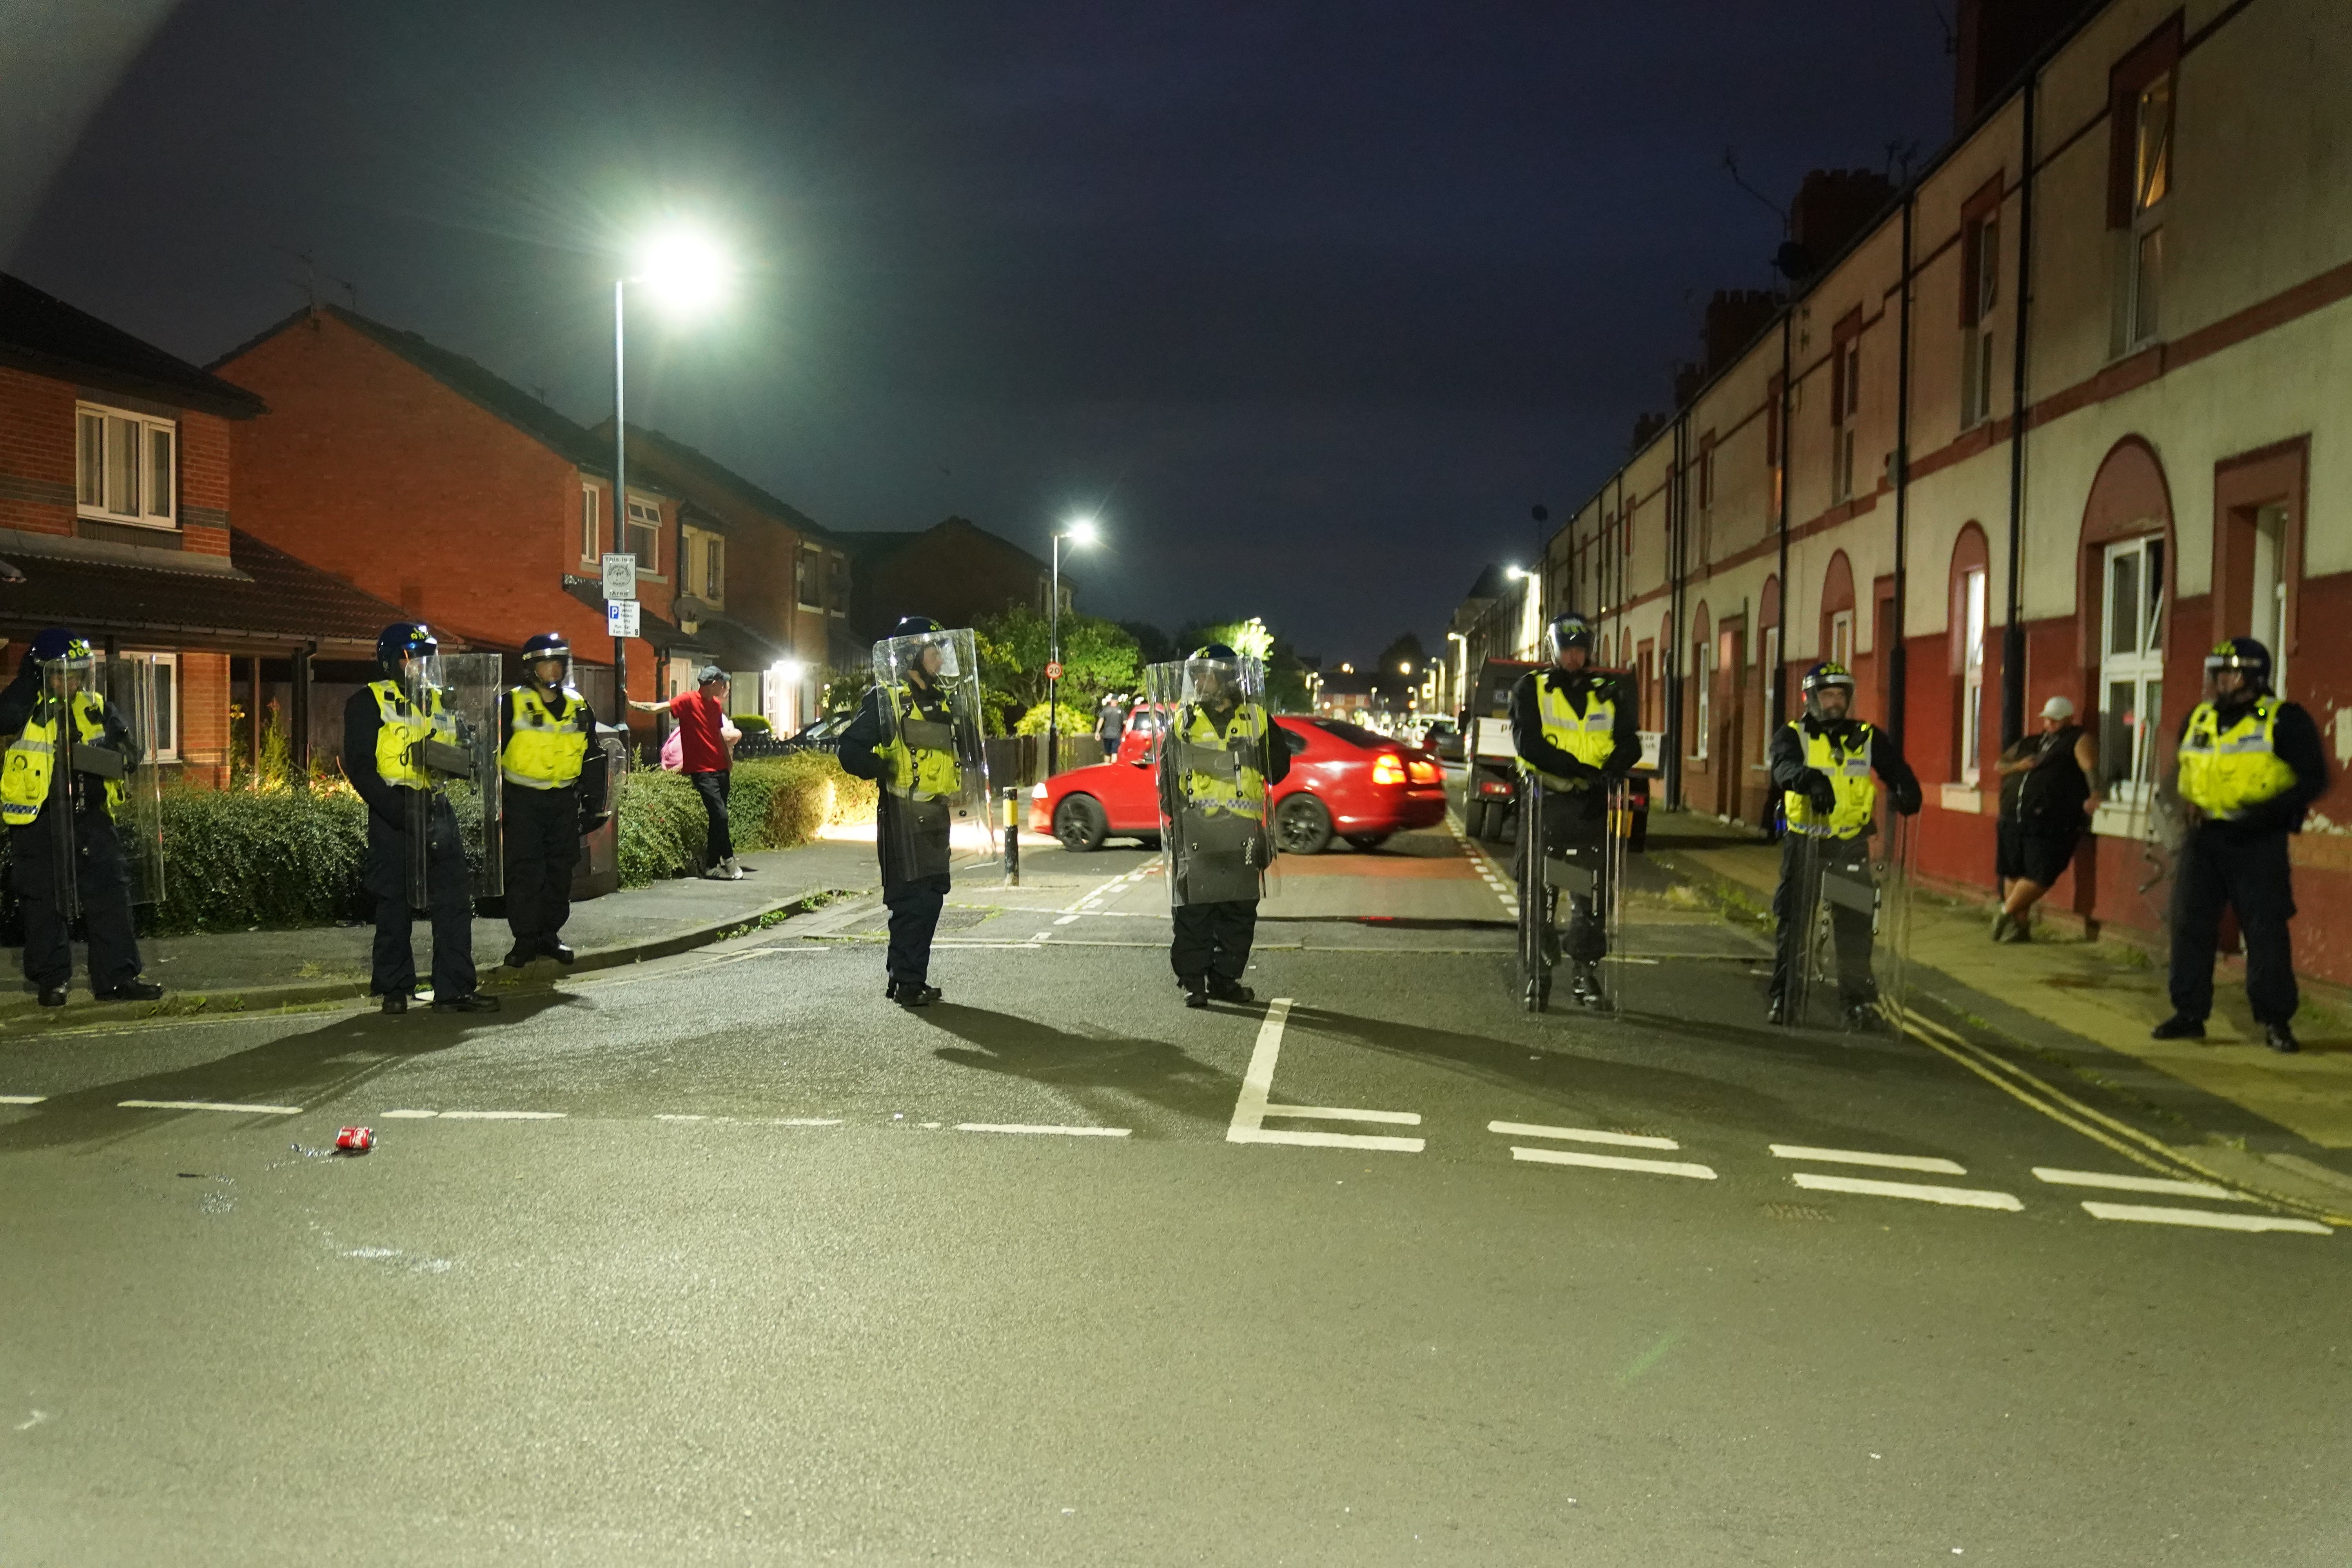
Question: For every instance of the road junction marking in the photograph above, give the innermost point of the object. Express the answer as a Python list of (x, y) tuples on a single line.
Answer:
[(1925, 1163), (2205, 1219), (1252, 1107), (2064, 1178), (1918, 1191)]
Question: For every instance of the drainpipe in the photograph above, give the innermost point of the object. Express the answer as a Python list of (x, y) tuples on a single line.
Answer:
[(1898, 695), (1780, 703), (1672, 746), (2012, 636)]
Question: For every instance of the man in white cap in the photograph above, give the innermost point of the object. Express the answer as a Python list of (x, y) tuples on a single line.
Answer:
[(2049, 787)]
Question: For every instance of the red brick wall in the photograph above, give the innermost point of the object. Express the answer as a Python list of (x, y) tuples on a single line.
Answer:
[(372, 469), (204, 718), (36, 449), (205, 448)]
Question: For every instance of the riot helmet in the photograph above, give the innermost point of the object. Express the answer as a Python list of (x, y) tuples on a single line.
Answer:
[(2249, 657), (1572, 630), (59, 643), (1824, 677), (936, 661), (1210, 672), (547, 646), (404, 640)]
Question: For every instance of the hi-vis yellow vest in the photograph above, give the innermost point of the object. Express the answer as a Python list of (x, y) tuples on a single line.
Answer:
[(2221, 773), (1216, 777), (1849, 774), (544, 748), (404, 730), (920, 764), (1588, 740), (32, 760)]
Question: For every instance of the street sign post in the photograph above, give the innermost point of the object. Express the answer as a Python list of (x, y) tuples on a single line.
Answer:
[(620, 577), (621, 617)]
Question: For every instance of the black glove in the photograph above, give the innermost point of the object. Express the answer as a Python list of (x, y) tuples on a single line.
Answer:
[(1818, 793), (1906, 799)]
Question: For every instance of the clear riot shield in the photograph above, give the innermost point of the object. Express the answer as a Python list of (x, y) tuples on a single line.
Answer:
[(1565, 889), (1538, 937), (1849, 908), (1675, 957), (1213, 749), (935, 767), (461, 693), (136, 800)]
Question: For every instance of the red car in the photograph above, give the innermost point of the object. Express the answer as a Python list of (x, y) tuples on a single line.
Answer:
[(1347, 783)]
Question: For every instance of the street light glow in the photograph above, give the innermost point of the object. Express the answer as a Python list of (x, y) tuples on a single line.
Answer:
[(1081, 530), (1516, 572), (683, 266)]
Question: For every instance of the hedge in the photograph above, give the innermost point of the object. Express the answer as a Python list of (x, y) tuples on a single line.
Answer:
[(291, 858)]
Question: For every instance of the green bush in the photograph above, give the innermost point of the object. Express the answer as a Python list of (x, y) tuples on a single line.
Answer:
[(289, 857), (1072, 722)]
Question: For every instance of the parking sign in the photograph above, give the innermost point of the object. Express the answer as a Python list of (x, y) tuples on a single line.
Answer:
[(621, 617)]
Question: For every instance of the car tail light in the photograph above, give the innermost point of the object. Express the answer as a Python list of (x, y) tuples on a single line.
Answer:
[(1494, 786), (1387, 768), (1422, 773)]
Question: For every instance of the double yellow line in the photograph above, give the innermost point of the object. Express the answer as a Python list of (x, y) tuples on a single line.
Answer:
[(2096, 1125)]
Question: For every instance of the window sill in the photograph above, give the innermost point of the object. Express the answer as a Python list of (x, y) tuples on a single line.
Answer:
[(2120, 821), (1964, 798), (156, 524)]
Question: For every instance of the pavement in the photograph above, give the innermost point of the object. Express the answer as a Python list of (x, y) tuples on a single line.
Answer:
[(718, 1258)]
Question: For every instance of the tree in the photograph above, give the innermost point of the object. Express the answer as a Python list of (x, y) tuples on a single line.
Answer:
[(1285, 673), (1097, 656), (1152, 646)]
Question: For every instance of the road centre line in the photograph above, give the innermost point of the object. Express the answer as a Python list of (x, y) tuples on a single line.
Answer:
[(1579, 1135), (471, 1115), (1612, 1163), (2205, 1219), (1962, 1198), (1928, 1163), (1251, 1106), (1058, 1132), (22, 1099), (209, 1105), (2057, 1177)]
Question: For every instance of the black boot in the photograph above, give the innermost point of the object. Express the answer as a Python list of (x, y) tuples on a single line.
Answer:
[(471, 1002), (1225, 990), (557, 951), (53, 996), (2180, 1026), (132, 991), (396, 1002), (2280, 1038), (1196, 990)]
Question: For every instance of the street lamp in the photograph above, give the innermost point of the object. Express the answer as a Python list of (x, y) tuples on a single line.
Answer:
[(687, 271), (1079, 531)]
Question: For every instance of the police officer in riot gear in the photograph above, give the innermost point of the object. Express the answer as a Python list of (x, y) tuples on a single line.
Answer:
[(61, 822), (384, 731), (548, 728), (1576, 735), (1219, 730), (911, 822), (2250, 766), (1823, 762)]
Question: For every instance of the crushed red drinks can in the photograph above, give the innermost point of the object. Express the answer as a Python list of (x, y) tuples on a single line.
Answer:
[(355, 1140)]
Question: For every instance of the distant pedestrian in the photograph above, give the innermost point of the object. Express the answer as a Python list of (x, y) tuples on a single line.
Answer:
[(709, 758), (2047, 792), (2250, 767), (1110, 723)]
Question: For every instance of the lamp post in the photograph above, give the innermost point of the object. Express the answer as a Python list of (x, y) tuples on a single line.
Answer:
[(1080, 531), (686, 271)]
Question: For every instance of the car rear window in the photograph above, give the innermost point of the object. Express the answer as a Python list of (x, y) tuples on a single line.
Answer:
[(1354, 734)]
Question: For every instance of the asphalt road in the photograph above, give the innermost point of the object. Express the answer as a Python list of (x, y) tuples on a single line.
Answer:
[(723, 1259)]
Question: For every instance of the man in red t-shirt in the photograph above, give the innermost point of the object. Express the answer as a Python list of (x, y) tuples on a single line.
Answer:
[(707, 748)]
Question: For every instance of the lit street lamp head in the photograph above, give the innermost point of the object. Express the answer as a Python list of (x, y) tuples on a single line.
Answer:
[(1080, 531), (683, 268)]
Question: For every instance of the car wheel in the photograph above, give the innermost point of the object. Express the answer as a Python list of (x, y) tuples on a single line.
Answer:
[(1301, 826), (1079, 822), (1368, 841), (1499, 822), (1473, 820)]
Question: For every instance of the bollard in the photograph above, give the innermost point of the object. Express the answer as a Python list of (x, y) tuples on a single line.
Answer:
[(1012, 836)]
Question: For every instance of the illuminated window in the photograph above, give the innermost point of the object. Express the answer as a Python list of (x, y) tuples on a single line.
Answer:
[(125, 467)]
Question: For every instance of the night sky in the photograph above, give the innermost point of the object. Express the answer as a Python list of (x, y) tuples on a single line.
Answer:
[(1311, 301)]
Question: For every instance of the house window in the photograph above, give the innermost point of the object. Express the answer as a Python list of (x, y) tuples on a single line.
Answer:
[(714, 569), (1981, 280), (2268, 616), (1842, 639), (158, 732), (837, 584), (1846, 399), (1706, 496), (1771, 665), (1702, 697), (125, 467), (2131, 667), (2141, 296), (1972, 673), (592, 514), (807, 586), (645, 535)]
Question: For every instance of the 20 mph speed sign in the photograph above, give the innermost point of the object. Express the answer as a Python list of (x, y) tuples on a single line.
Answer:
[(1052, 672)]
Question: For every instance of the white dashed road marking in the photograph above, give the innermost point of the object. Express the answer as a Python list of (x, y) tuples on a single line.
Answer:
[(209, 1105), (1579, 1135), (2178, 1189), (1057, 1131), (22, 1099), (1611, 1162), (1927, 1162), (2206, 1219), (1961, 1197), (475, 1115), (1252, 1107)]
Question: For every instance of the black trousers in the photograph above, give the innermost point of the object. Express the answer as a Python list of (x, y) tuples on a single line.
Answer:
[(719, 842), (542, 828), (914, 920), (1803, 861), (450, 903), (2250, 876), (1214, 939), (1575, 833), (103, 881)]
